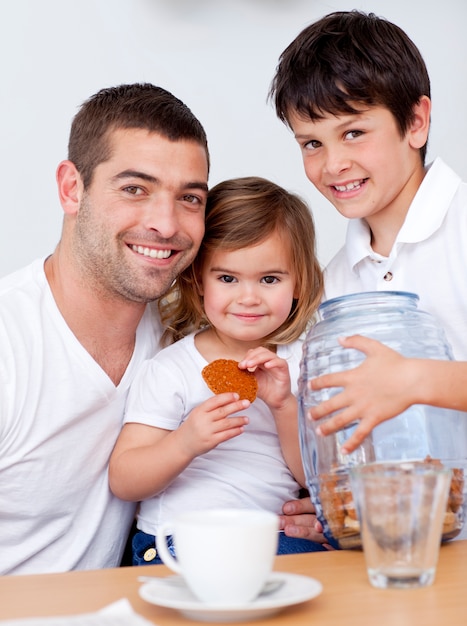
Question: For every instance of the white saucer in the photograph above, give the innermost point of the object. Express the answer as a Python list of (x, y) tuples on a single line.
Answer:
[(296, 588)]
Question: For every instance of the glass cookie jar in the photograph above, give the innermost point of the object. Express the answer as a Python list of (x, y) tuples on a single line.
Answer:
[(421, 433)]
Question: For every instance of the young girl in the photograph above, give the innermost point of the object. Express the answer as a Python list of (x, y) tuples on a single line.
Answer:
[(249, 295)]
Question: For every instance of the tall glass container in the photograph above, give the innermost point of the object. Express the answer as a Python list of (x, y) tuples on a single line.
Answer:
[(423, 433)]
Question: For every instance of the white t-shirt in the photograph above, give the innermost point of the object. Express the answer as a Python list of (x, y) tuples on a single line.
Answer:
[(248, 471), (429, 256), (60, 415)]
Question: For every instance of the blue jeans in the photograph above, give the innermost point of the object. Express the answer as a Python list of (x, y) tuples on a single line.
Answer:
[(144, 547)]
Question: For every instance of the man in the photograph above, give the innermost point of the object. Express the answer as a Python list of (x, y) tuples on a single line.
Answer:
[(75, 327)]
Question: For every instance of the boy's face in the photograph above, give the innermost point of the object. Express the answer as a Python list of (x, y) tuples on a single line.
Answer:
[(360, 162)]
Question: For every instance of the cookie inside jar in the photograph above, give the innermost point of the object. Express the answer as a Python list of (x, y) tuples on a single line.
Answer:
[(338, 507)]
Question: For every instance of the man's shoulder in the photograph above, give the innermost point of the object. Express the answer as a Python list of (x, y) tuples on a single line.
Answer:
[(26, 282)]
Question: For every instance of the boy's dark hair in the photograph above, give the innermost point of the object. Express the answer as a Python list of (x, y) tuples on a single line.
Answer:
[(349, 58), (137, 105)]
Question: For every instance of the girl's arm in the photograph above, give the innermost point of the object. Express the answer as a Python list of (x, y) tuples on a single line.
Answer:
[(272, 374), (145, 459), (384, 385)]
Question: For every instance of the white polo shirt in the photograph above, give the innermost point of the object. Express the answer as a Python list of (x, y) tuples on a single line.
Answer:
[(429, 256)]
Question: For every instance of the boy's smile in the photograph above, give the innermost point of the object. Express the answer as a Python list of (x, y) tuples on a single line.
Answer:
[(363, 166)]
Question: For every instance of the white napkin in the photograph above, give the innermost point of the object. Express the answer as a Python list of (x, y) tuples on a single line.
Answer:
[(118, 613)]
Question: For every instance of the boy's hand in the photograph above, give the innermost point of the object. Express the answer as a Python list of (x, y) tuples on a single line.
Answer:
[(378, 389), (272, 374), (210, 424)]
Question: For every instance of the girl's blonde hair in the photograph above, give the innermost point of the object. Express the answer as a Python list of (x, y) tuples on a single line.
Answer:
[(241, 213)]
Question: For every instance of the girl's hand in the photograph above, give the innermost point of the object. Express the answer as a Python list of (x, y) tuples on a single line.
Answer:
[(272, 374), (209, 424), (377, 390)]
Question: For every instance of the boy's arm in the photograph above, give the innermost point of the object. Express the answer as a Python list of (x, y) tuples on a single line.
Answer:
[(384, 385), (145, 459)]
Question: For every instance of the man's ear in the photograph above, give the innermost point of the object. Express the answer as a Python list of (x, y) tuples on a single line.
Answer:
[(420, 126), (70, 187)]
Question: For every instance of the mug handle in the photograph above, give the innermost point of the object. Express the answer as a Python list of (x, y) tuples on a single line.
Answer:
[(162, 550)]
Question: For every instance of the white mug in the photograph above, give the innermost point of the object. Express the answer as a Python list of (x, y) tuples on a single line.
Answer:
[(224, 555)]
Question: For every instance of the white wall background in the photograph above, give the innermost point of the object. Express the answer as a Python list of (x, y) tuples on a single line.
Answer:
[(219, 57)]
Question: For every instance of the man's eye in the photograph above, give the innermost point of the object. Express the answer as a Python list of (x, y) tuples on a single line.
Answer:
[(270, 280), (133, 190), (226, 279), (191, 199)]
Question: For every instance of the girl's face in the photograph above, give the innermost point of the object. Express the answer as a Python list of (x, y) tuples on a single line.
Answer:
[(248, 293)]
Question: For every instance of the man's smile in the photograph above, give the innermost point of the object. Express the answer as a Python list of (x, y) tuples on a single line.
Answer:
[(153, 253)]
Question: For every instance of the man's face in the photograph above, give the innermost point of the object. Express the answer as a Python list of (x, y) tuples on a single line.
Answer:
[(141, 221)]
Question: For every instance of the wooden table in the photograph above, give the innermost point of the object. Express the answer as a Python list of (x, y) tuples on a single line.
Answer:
[(347, 598)]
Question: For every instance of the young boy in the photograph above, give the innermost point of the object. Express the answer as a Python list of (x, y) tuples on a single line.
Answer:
[(355, 91)]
